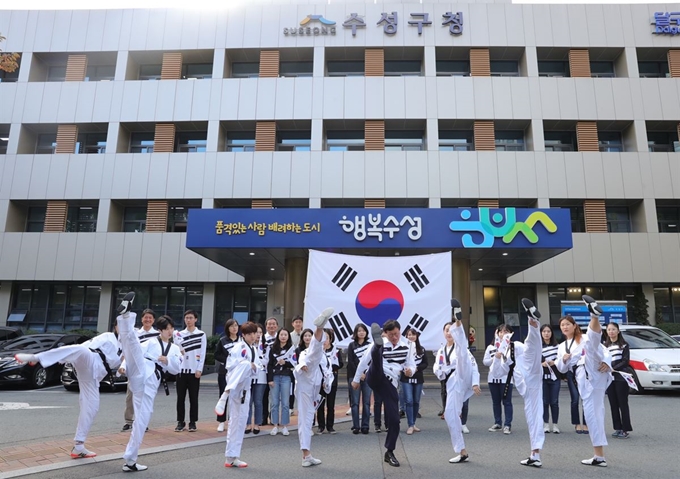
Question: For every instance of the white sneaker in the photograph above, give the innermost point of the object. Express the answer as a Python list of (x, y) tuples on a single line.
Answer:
[(134, 468), (322, 319), (236, 462), (221, 405), (546, 427), (220, 427), (23, 358), (459, 458), (285, 432), (556, 430), (349, 412), (310, 461), (594, 462), (495, 427), (274, 431), (531, 462), (465, 429), (506, 430)]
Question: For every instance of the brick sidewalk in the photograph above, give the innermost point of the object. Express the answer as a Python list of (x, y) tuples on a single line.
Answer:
[(40, 456)]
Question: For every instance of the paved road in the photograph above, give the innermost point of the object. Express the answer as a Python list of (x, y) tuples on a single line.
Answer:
[(650, 452)]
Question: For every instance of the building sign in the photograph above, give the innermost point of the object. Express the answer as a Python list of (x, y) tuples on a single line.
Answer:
[(613, 312), (666, 23), (447, 228), (305, 29)]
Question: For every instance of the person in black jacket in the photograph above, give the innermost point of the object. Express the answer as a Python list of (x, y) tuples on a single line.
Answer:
[(279, 376), (413, 386), (356, 350), (222, 349), (325, 415), (618, 389)]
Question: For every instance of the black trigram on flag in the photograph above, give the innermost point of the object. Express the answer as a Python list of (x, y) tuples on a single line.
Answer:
[(416, 278), (344, 277), (341, 327), (417, 323)]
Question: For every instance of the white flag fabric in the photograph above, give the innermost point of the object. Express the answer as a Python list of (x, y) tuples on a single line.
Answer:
[(415, 290), (629, 379)]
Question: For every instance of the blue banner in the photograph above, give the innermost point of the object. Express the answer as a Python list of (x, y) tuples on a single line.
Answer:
[(403, 228), (611, 313)]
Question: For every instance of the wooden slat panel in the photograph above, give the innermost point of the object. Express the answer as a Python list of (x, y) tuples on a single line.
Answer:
[(157, 216), (55, 217), (579, 63), (674, 63), (487, 203), (164, 138), (374, 203), (172, 66), (262, 204), (586, 136), (374, 135), (595, 216), (485, 137), (76, 67), (265, 136), (67, 136), (374, 62), (269, 64), (480, 64)]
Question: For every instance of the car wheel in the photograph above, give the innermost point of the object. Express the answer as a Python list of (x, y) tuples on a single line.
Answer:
[(640, 389), (39, 377)]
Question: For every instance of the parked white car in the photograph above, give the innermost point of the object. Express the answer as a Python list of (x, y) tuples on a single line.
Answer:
[(654, 357)]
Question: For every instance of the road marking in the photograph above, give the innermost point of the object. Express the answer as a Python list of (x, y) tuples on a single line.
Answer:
[(13, 406)]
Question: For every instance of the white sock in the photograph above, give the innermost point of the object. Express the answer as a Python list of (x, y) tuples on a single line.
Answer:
[(536, 456), (599, 458)]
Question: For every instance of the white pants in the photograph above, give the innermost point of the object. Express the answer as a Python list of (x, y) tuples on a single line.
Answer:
[(454, 407), (90, 371), (238, 417), (533, 409), (594, 411), (307, 387), (592, 385)]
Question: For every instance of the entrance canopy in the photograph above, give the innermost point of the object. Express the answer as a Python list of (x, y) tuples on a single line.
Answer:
[(499, 242)]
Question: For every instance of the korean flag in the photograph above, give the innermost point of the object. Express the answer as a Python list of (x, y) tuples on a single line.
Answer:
[(415, 290)]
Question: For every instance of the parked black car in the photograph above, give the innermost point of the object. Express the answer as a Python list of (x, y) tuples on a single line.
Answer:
[(36, 376), (69, 379), (8, 332)]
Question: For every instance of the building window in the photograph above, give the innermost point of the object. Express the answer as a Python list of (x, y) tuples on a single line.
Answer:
[(404, 140), (91, 143), (663, 141), (509, 140), (293, 140), (610, 141), (296, 69), (668, 218), (243, 303), (456, 68), (456, 140), (502, 304), (3, 145), (578, 219), (573, 292), (245, 69), (150, 72), (549, 68), (191, 141), (345, 68), (81, 219), (504, 68), (560, 140), (100, 73), (56, 73), (141, 142), (134, 219), (46, 144), (402, 68), (618, 219), (35, 220), (197, 71), (57, 307), (345, 140), (240, 141), (602, 70), (653, 69), (177, 219), (171, 300)]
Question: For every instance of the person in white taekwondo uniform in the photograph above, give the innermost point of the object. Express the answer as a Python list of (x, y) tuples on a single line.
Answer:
[(93, 361), (388, 359), (593, 377), (460, 385), (243, 364), (145, 365), (146, 332)]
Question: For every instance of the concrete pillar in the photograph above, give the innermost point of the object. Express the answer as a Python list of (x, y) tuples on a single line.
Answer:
[(535, 136), (15, 131), (122, 67), (460, 278), (214, 137), (295, 281), (648, 290), (208, 309), (103, 213), (105, 317), (430, 61), (5, 301), (543, 303), (640, 130), (434, 203), (315, 202), (319, 62), (25, 68), (317, 135), (218, 63), (543, 203), (275, 301), (432, 134), (208, 203), (529, 63)]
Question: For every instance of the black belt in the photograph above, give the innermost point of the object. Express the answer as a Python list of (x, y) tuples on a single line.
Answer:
[(160, 375), (109, 372)]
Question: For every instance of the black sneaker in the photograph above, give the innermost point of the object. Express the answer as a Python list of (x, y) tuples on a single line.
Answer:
[(376, 333), (180, 426), (594, 462), (593, 307), (457, 309), (531, 462), (355, 431), (126, 428), (192, 427), (531, 309), (402, 414), (126, 304), (419, 416), (377, 429), (364, 431), (440, 413)]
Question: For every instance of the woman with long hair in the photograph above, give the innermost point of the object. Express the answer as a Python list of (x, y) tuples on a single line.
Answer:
[(279, 376), (222, 349), (355, 352), (568, 354), (255, 412), (413, 386), (551, 380), (326, 412), (618, 389)]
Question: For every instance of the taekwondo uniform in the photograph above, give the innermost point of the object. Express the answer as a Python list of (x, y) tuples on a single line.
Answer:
[(143, 337), (93, 361), (528, 377), (462, 373), (194, 344), (144, 372)]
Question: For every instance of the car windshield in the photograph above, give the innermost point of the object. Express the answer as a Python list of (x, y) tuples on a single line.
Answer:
[(649, 339), (29, 343)]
